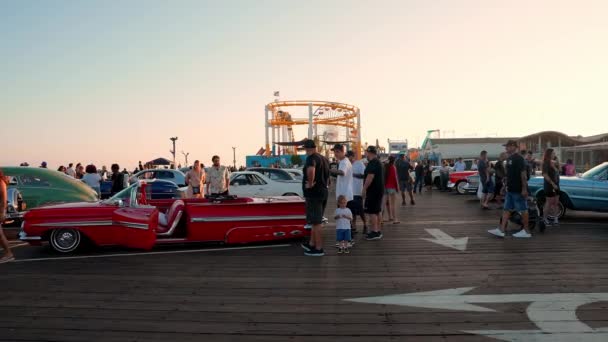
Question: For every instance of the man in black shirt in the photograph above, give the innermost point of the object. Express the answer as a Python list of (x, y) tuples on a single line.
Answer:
[(516, 192), (405, 182), (315, 187), (373, 192)]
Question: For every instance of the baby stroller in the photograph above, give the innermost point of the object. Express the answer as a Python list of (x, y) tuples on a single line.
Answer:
[(534, 218)]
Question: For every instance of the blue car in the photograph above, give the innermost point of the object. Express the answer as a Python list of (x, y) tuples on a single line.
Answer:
[(587, 192), (159, 189)]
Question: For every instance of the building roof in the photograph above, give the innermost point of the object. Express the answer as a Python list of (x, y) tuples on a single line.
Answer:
[(588, 147), (469, 140), (575, 140)]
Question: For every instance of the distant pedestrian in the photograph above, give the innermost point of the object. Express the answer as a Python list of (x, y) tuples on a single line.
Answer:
[(551, 188), (104, 173), (419, 175), (61, 169), (79, 171), (315, 187), (120, 180), (459, 165), (500, 172), (474, 165), (485, 180), (569, 168), (195, 179), (70, 171), (516, 193), (218, 178), (444, 176), (43, 165), (343, 217), (93, 179), (140, 166), (8, 255), (373, 192), (428, 175), (404, 167), (391, 188), (356, 205)]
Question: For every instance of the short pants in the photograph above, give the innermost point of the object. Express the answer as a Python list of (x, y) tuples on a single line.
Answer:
[(343, 235), (514, 201), (356, 205), (315, 208), (373, 204), (405, 185)]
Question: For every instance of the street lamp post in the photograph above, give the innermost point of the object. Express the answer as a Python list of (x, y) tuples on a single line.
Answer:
[(173, 139), (234, 157), (186, 157)]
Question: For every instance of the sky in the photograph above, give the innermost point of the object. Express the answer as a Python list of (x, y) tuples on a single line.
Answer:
[(112, 81)]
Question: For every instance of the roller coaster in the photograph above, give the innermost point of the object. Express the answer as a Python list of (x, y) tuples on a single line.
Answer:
[(324, 121)]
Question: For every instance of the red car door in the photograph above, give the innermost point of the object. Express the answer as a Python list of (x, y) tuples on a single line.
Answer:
[(138, 226)]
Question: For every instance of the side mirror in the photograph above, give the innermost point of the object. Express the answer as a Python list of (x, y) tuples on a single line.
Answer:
[(121, 204)]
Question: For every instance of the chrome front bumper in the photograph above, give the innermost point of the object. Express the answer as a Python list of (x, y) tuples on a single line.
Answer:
[(24, 237), (451, 185)]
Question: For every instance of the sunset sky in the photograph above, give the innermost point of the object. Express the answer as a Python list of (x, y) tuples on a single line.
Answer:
[(111, 81)]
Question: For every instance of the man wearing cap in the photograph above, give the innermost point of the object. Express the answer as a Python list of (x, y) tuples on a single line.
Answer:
[(373, 191), (356, 205), (516, 192), (315, 188)]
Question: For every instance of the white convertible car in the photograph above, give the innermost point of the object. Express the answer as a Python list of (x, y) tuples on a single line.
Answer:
[(254, 184)]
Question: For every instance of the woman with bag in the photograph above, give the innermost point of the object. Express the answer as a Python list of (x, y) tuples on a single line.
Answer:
[(195, 178)]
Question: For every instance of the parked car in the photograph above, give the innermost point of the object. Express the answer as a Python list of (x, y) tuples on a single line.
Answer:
[(39, 186), (175, 176), (587, 192), (160, 189), (298, 174), (458, 181), (15, 208), (281, 175), (253, 184), (472, 184), (131, 220)]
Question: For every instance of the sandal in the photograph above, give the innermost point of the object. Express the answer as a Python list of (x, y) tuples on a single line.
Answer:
[(7, 259)]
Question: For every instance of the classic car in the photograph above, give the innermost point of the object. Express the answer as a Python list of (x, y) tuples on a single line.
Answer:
[(298, 174), (587, 192), (130, 219), (43, 186), (250, 183), (275, 174), (458, 180), (175, 176), (15, 208), (160, 189), (472, 184)]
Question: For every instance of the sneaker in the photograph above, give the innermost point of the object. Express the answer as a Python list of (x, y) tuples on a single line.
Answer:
[(315, 252), (351, 243), (308, 226), (497, 232), (340, 250), (306, 246), (548, 222), (522, 234), (346, 251), (374, 236)]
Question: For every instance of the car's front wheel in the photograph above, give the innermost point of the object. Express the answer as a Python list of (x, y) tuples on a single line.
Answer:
[(65, 240), (460, 187)]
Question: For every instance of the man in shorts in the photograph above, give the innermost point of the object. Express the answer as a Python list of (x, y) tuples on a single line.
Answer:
[(405, 180), (516, 192), (485, 181), (356, 205), (373, 192), (315, 187)]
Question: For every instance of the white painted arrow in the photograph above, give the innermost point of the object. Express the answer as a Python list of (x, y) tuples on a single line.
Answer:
[(444, 239), (553, 313)]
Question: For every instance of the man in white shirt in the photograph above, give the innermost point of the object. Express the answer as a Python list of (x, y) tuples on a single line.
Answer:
[(344, 174), (459, 165), (356, 205), (70, 171)]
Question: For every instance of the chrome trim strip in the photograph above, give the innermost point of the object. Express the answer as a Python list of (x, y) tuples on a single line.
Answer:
[(283, 226), (74, 224), (143, 226), (246, 218), (23, 237)]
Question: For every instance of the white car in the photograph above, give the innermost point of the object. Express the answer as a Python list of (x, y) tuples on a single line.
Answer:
[(296, 173), (255, 184)]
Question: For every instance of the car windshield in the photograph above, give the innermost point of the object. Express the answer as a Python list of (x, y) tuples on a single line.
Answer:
[(596, 171), (124, 195)]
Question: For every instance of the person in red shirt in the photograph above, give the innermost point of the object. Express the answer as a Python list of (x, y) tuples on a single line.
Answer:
[(391, 188)]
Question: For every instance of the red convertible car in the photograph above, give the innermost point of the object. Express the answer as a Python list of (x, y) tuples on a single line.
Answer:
[(458, 180), (131, 219)]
